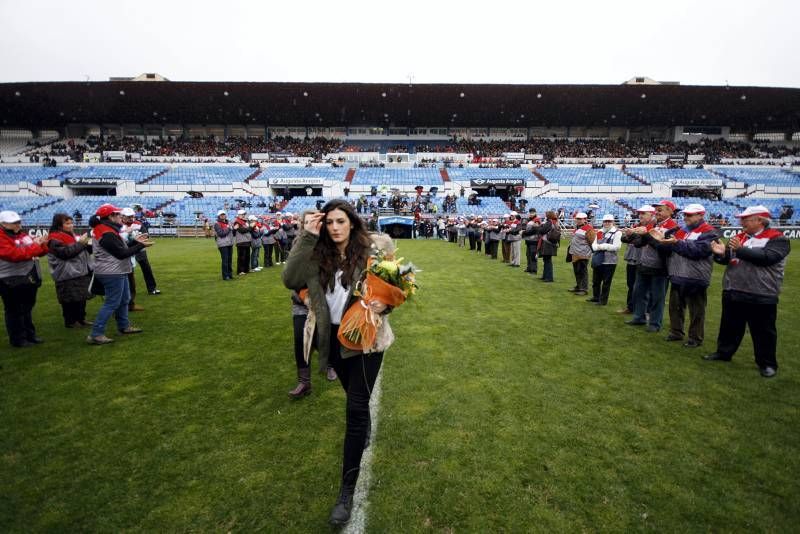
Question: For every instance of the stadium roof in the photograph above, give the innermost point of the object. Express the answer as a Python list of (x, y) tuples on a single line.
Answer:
[(56, 104)]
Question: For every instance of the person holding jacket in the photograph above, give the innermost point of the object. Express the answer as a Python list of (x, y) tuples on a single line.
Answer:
[(549, 241), (112, 267), (223, 234), (69, 261), (20, 278), (689, 265), (605, 249), (329, 259), (755, 261)]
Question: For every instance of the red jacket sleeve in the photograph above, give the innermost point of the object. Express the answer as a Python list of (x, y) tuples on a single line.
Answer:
[(10, 252)]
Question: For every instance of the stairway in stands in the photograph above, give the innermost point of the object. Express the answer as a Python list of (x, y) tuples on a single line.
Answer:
[(253, 176), (642, 181), (540, 176), (444, 175), (153, 177), (351, 172)]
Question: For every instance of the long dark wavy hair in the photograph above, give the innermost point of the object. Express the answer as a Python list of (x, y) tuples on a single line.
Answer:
[(58, 222), (356, 253)]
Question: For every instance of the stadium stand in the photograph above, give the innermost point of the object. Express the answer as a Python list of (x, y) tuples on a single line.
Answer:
[(583, 176), (477, 173), (31, 174), (135, 173), (377, 176), (203, 175), (325, 173), (663, 174)]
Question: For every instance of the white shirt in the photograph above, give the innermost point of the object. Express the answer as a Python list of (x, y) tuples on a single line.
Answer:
[(337, 299)]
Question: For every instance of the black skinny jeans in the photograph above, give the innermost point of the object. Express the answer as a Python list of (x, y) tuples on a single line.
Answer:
[(18, 302), (357, 375)]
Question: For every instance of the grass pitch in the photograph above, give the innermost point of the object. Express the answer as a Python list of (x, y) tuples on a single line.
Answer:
[(508, 405)]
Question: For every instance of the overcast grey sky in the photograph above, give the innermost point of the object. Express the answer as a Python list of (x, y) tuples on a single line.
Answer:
[(493, 41)]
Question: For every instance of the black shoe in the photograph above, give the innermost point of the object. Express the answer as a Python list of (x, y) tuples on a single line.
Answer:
[(716, 357), (768, 372), (340, 514), (691, 344), (23, 344), (635, 323), (155, 292), (581, 293), (653, 329), (35, 340), (673, 337), (593, 300), (573, 290)]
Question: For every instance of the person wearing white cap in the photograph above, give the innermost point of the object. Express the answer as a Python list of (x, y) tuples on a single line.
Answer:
[(633, 252), (492, 238), (689, 266), (461, 232), (224, 238), (604, 260), (20, 278), (579, 252), (755, 261), (651, 278), (242, 239)]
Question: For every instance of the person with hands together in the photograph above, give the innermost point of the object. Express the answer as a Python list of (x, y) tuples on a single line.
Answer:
[(69, 260), (20, 278)]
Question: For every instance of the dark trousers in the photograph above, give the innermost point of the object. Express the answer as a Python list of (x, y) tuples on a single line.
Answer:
[(581, 270), (18, 303), (506, 251), (547, 264), (147, 272), (602, 275), (477, 244), (298, 324), (693, 298), (73, 312), (530, 256), (280, 252), (491, 248), (630, 275), (472, 240), (226, 254), (357, 375), (649, 294), (243, 258), (268, 254), (760, 318)]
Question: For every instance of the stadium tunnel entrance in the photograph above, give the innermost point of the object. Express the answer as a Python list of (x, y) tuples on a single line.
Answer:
[(397, 227)]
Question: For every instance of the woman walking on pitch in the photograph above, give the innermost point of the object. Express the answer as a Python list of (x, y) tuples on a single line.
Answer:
[(68, 258), (329, 258)]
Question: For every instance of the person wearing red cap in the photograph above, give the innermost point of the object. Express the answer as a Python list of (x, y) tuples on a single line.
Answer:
[(112, 264), (689, 266), (651, 283), (755, 260), (20, 278)]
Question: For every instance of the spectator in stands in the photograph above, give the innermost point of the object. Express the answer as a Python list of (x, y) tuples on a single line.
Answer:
[(787, 212), (20, 278), (549, 241), (579, 253), (605, 248), (68, 259), (112, 266), (651, 275), (224, 238), (242, 239), (755, 261), (329, 256), (633, 254), (689, 267)]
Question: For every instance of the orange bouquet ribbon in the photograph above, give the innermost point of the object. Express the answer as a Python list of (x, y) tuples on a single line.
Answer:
[(359, 327)]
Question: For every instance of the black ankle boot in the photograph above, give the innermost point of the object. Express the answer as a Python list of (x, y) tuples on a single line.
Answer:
[(340, 514)]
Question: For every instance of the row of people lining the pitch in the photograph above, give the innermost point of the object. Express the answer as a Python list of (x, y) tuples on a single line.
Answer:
[(250, 234), (661, 252), (97, 263)]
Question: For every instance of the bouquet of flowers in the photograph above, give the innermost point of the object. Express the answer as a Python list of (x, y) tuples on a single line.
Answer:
[(388, 280)]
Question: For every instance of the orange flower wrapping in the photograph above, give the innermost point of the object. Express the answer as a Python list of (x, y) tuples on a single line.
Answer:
[(359, 325)]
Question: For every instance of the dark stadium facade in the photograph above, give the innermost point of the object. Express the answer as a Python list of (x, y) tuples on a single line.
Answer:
[(59, 104)]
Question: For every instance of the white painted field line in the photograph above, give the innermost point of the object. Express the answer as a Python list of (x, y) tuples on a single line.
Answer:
[(358, 517)]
